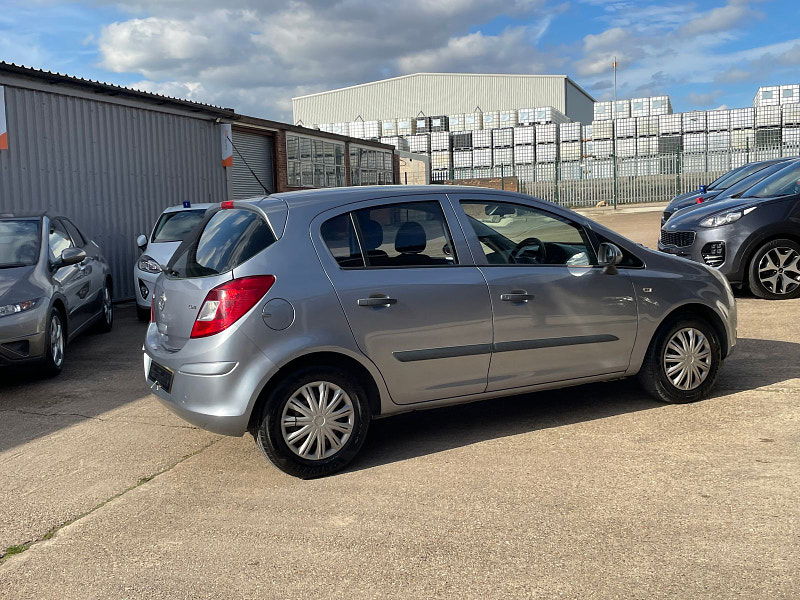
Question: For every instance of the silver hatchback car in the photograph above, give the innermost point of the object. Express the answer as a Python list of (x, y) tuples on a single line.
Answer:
[(302, 316)]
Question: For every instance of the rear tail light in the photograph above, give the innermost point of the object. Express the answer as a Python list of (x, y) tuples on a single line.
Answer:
[(229, 302)]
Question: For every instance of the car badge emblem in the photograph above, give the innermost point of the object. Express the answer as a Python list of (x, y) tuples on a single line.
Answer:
[(162, 301)]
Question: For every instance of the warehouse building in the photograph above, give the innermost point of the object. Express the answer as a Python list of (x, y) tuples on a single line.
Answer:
[(113, 158), (443, 94)]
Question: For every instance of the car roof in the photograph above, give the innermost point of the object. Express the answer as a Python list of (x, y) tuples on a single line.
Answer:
[(333, 197), (199, 205), (30, 215)]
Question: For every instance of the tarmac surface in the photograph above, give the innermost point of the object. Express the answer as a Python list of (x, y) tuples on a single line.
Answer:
[(588, 492)]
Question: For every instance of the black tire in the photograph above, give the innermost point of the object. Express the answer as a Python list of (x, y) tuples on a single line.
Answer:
[(52, 363), (143, 314), (756, 285), (105, 322), (270, 439), (653, 376)]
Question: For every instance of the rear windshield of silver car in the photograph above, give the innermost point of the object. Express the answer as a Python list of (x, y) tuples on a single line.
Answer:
[(226, 239), (174, 226), (19, 242)]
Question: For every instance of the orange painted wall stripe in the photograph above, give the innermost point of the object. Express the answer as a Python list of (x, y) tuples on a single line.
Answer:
[(3, 141)]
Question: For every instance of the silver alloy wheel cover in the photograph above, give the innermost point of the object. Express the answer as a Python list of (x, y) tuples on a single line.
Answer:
[(56, 340), (108, 309), (317, 420), (687, 359), (779, 271)]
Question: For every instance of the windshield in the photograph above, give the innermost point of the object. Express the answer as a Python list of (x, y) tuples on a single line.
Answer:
[(736, 176), (173, 226), (19, 243), (748, 182), (785, 182)]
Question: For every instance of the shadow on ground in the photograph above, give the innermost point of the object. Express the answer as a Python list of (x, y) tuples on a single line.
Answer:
[(755, 363)]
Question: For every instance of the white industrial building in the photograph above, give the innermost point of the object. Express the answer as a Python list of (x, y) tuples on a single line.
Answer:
[(434, 94)]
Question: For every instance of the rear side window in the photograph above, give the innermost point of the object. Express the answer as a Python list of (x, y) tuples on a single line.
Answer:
[(174, 226), (411, 234), (229, 238)]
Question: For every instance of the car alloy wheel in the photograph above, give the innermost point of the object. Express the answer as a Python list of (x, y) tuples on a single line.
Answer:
[(687, 359), (56, 340), (779, 271), (108, 309), (317, 420)]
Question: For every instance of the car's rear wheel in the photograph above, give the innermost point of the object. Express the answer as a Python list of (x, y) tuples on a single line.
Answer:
[(314, 422), (682, 361), (56, 343), (774, 272), (106, 322)]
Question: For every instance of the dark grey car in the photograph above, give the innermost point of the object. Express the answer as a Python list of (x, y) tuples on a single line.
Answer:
[(301, 316), (718, 187), (54, 284), (753, 239)]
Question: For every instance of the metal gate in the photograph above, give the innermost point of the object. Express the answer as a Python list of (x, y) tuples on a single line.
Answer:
[(252, 153)]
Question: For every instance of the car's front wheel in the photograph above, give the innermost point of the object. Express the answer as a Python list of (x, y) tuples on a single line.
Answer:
[(682, 361), (314, 422), (55, 344), (774, 272), (106, 322)]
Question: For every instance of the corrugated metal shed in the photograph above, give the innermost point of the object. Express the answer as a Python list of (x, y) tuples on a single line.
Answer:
[(108, 162), (444, 94)]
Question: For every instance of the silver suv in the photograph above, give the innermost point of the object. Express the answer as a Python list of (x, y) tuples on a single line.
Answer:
[(301, 316)]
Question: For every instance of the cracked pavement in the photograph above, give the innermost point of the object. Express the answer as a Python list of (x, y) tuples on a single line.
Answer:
[(594, 491)]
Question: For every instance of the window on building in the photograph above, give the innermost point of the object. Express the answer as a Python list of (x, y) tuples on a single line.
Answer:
[(314, 163)]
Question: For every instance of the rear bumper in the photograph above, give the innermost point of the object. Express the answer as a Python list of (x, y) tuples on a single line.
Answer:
[(216, 395)]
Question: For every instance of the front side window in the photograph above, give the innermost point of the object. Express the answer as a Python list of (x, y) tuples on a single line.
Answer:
[(173, 226), (412, 234), (785, 182), (77, 236), (229, 238), (19, 242), (512, 234), (59, 240)]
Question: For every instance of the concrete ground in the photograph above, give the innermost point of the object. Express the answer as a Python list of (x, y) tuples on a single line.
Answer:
[(590, 492)]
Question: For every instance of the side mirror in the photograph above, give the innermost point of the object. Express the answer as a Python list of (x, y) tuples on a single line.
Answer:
[(72, 256), (609, 256), (141, 241)]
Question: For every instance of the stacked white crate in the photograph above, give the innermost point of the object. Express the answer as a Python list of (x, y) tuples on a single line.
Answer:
[(791, 115), (719, 141), (420, 143), (602, 130), (694, 121), (482, 138), (695, 142), (491, 119), (570, 170), (341, 128), (406, 126), (473, 121), (694, 162), (456, 122), (441, 159), (502, 157), (503, 137), (526, 116), (660, 105), (603, 148), (625, 128), (742, 138), (640, 107), (626, 147), (670, 124), (462, 159), (646, 146), (357, 129), (546, 172), (546, 152), (791, 127), (790, 94), (743, 118), (524, 136), (482, 157), (372, 130), (397, 141), (508, 118), (768, 116), (621, 109), (602, 111), (718, 120), (791, 136), (767, 95), (388, 127), (524, 155), (548, 114), (440, 141), (569, 151), (569, 132), (646, 126), (546, 146)]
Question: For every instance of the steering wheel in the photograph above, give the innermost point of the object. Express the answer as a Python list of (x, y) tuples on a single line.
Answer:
[(540, 256)]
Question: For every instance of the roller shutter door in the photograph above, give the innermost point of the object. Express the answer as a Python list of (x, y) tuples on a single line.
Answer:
[(256, 152)]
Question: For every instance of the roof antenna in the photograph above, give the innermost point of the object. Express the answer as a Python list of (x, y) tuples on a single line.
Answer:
[(249, 168)]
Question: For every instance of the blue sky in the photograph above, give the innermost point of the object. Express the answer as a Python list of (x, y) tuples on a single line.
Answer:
[(254, 55)]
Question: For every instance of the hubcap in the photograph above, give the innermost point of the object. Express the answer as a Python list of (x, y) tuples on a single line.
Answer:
[(317, 420), (56, 341), (687, 359), (779, 272)]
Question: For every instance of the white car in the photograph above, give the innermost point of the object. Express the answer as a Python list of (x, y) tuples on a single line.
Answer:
[(167, 234)]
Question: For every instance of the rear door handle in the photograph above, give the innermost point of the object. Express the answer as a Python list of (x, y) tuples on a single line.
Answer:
[(516, 296), (377, 300)]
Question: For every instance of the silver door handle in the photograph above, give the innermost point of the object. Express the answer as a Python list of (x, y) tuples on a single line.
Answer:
[(516, 296), (377, 300)]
